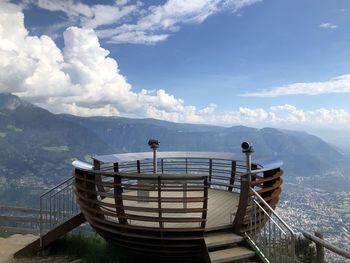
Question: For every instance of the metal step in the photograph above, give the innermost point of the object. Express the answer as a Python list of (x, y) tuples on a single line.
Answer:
[(214, 240), (230, 254)]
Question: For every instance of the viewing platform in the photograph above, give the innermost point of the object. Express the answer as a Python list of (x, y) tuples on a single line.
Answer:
[(165, 203), (188, 206)]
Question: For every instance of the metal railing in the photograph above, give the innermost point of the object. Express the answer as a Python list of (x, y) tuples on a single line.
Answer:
[(57, 205), (223, 174), (322, 244), (273, 239)]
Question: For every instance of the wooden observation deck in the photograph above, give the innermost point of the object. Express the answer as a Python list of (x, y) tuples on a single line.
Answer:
[(166, 206), (198, 206)]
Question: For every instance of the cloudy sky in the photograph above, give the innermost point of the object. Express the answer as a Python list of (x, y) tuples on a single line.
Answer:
[(227, 62)]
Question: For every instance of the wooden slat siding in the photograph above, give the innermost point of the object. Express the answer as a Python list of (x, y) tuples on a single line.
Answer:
[(163, 252), (233, 174), (132, 241), (253, 178), (98, 178), (270, 184), (259, 181), (205, 203), (87, 189), (148, 199), (145, 235), (173, 241), (146, 209), (147, 218), (243, 202), (274, 196), (270, 189), (119, 208)]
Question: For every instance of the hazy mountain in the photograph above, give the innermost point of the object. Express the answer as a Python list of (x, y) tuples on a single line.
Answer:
[(302, 153), (36, 142)]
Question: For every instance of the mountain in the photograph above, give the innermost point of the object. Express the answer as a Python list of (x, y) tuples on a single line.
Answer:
[(302, 153), (35, 142)]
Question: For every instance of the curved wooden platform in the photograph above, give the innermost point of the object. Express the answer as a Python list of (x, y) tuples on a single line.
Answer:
[(167, 213)]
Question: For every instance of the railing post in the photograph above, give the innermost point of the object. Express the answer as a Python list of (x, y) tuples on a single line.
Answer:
[(41, 221), (319, 249)]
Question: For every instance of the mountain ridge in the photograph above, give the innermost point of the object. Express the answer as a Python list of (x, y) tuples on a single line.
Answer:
[(35, 141)]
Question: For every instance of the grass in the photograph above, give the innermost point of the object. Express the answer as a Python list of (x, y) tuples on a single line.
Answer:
[(90, 248), (63, 148)]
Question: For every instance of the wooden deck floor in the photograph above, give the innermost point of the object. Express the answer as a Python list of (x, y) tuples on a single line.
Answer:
[(222, 207)]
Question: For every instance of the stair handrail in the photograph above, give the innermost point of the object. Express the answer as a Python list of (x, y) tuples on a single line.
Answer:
[(50, 198), (279, 223), (273, 211)]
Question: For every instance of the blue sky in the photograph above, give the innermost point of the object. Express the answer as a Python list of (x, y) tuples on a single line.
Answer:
[(226, 62)]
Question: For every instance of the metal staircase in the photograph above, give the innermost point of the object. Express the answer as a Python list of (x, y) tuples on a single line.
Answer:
[(59, 214)]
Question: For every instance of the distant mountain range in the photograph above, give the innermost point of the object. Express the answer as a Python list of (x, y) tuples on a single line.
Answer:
[(35, 142)]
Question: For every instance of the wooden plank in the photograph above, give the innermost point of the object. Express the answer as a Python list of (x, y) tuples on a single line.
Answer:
[(221, 238), (267, 179), (231, 254)]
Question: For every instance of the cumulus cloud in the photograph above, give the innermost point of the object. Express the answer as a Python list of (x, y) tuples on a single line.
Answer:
[(287, 116), (145, 24), (339, 84), (82, 79), (328, 26)]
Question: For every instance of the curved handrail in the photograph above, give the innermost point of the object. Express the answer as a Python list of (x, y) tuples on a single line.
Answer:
[(82, 165), (129, 157), (272, 165)]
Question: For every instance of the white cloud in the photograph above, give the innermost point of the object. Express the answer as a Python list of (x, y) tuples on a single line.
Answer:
[(285, 116), (158, 21), (328, 26), (81, 79), (339, 84), (145, 24)]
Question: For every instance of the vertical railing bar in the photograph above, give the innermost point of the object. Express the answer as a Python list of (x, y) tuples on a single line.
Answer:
[(162, 162), (41, 222)]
